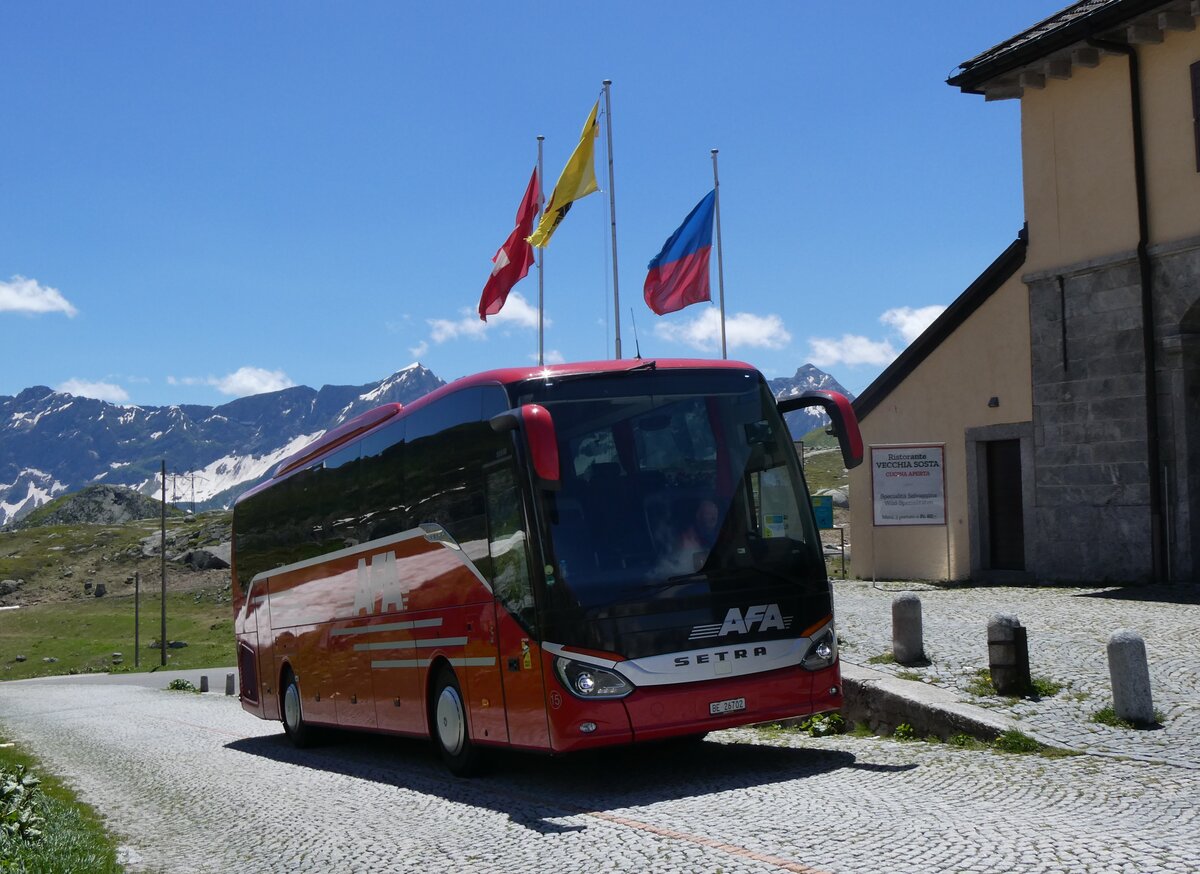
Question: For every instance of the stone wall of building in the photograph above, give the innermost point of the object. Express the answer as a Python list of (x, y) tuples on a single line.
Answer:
[(1091, 515), (1177, 315), (1091, 519)]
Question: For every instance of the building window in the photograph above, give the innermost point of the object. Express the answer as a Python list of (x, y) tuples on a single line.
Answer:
[(1196, 109)]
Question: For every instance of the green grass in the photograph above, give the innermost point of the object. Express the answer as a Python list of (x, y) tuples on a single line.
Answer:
[(908, 675), (1044, 687), (1013, 741), (73, 837), (1108, 716), (83, 634), (824, 470), (885, 658), (981, 685)]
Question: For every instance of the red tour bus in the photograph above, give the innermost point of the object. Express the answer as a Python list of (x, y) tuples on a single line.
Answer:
[(543, 559)]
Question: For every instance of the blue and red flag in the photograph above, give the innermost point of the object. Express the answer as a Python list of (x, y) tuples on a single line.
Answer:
[(678, 274)]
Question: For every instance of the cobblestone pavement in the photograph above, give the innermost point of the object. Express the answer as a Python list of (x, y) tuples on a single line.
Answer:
[(1068, 632), (196, 785)]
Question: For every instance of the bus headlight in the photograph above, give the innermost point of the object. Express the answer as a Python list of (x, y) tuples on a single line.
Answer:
[(822, 652), (588, 681)]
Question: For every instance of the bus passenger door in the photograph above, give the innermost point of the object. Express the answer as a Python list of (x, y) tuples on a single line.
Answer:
[(245, 627), (520, 658), (524, 690)]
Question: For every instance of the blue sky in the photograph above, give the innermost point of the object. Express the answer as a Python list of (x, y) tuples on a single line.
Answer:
[(207, 200)]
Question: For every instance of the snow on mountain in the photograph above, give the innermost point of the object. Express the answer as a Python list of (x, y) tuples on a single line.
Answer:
[(52, 442), (224, 474), (27, 492), (807, 378)]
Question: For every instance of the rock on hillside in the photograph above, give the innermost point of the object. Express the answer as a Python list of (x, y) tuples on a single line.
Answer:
[(95, 505)]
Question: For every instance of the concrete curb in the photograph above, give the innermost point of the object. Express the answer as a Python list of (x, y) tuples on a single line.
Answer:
[(883, 702)]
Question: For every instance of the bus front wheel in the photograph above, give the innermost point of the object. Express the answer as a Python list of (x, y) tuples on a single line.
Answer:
[(448, 719), (300, 734)]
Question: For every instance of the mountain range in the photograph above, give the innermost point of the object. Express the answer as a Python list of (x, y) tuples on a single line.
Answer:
[(53, 442)]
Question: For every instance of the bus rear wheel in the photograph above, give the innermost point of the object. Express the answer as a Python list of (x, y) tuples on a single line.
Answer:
[(299, 733), (448, 720)]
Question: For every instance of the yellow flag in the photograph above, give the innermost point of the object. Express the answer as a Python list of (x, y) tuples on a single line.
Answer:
[(578, 180)]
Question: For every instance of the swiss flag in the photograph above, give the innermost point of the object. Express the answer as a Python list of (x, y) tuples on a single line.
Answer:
[(511, 261)]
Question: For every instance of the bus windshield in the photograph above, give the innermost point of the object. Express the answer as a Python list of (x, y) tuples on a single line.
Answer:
[(681, 498)]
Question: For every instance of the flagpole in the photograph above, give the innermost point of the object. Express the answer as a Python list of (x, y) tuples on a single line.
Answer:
[(612, 211), (541, 275), (720, 252)]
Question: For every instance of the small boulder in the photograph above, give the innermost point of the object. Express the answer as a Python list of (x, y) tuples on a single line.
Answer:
[(101, 590), (203, 560), (19, 658), (176, 644)]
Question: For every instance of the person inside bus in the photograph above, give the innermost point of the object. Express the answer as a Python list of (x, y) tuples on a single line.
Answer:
[(691, 547)]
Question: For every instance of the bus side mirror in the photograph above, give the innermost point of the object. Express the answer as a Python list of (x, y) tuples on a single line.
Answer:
[(845, 423), (537, 427)]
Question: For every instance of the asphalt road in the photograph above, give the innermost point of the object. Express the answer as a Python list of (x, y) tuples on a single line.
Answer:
[(192, 783)]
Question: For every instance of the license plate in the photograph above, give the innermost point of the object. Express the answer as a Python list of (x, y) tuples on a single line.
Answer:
[(733, 704)]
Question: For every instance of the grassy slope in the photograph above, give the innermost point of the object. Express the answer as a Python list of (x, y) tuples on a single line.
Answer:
[(83, 635), (58, 619)]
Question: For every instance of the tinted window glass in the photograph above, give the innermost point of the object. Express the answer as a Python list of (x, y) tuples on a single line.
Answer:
[(382, 509)]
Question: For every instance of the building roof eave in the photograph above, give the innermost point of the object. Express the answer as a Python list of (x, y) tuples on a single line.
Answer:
[(1057, 34)]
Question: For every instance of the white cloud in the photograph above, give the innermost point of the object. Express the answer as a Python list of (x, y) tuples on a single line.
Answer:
[(851, 349), (252, 381), (910, 323), (741, 330), (906, 323), (242, 382), (21, 295), (103, 391), (517, 312), (419, 350)]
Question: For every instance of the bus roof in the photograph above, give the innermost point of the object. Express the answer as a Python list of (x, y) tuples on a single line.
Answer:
[(372, 419)]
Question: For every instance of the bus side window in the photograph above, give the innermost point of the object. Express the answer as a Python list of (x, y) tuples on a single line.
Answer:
[(341, 495), (506, 544), (447, 444), (381, 509)]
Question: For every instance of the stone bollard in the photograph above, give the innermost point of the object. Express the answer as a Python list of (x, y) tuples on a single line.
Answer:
[(1130, 676), (1008, 654), (203, 682), (907, 634), (229, 684)]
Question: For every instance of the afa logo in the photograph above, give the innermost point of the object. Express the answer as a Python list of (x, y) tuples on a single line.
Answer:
[(378, 582), (760, 617)]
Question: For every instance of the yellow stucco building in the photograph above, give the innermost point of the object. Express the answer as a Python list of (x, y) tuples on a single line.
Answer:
[(1062, 389)]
